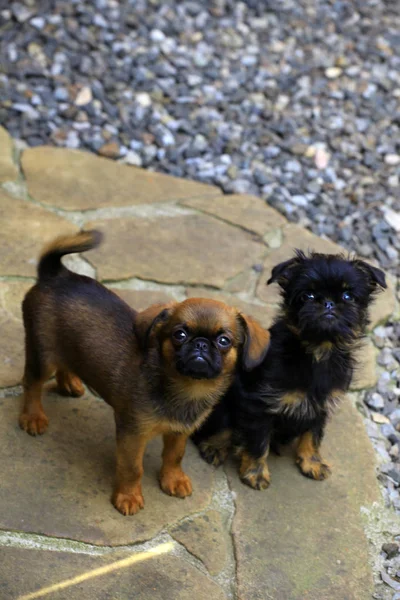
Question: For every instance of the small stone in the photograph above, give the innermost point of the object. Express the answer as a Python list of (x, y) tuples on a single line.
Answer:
[(61, 94), (299, 200), (392, 218), (21, 13), (391, 549), (27, 110), (392, 159), (396, 354), (392, 470), (156, 35), (375, 401), (333, 72), (132, 158), (100, 21), (378, 418), (110, 150), (143, 99), (321, 158), (379, 336), (293, 166), (37, 22), (84, 96)]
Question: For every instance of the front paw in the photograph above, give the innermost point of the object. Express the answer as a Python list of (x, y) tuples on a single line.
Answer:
[(213, 456), (34, 424), (176, 483), (314, 468), (128, 504), (257, 478)]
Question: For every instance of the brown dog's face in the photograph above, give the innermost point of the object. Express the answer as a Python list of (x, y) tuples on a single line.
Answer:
[(202, 338)]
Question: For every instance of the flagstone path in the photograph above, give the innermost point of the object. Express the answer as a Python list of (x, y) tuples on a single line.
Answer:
[(60, 537)]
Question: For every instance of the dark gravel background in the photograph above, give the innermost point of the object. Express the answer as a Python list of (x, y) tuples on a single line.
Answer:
[(297, 101)]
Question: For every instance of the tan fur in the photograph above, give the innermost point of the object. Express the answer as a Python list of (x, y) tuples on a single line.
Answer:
[(254, 472), (309, 459)]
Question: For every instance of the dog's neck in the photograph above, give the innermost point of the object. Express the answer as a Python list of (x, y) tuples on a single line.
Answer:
[(322, 350)]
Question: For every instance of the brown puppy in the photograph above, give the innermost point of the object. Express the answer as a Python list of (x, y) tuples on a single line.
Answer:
[(162, 370)]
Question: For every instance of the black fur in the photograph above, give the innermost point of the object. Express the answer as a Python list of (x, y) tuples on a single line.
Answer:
[(310, 354)]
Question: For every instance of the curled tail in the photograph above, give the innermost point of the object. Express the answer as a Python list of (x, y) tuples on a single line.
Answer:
[(50, 259)]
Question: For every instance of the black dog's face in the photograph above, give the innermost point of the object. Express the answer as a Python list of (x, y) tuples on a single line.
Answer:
[(326, 297)]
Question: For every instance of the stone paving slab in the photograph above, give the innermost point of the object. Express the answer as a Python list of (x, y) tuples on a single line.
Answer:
[(165, 577), (60, 484), (8, 169), (26, 228), (303, 539), (76, 180), (11, 352), (287, 540), (191, 248)]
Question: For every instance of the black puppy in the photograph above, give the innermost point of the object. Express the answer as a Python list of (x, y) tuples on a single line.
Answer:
[(308, 366)]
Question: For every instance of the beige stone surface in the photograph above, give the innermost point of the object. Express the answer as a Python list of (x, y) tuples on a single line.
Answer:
[(141, 299), (193, 249), (264, 314), (293, 237), (384, 305), (12, 332), (205, 537), (164, 577), (76, 180), (60, 484), (249, 212), (26, 228), (8, 169), (302, 538), (365, 374)]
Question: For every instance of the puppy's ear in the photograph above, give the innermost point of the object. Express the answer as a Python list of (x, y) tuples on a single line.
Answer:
[(376, 276), (255, 344), (147, 321), (281, 273)]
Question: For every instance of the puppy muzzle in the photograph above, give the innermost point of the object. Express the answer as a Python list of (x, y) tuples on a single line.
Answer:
[(198, 364)]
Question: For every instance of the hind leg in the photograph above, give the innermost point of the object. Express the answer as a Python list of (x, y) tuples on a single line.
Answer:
[(68, 384), (37, 370)]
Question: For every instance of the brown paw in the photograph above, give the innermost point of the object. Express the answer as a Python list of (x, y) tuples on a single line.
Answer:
[(314, 468), (258, 478), (128, 504), (69, 386), (35, 424), (176, 484)]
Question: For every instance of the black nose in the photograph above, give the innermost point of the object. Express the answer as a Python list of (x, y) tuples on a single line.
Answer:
[(201, 344), (329, 305)]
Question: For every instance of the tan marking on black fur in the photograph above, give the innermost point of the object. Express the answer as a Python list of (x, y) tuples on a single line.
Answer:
[(293, 398), (254, 472), (309, 459)]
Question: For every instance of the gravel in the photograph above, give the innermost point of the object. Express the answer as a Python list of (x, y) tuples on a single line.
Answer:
[(297, 101)]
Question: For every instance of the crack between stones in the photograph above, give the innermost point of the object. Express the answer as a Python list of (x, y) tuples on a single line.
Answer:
[(257, 237)]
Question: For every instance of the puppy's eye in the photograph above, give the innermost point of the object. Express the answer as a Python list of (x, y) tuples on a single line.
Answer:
[(308, 297), (223, 341), (179, 335), (347, 297)]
